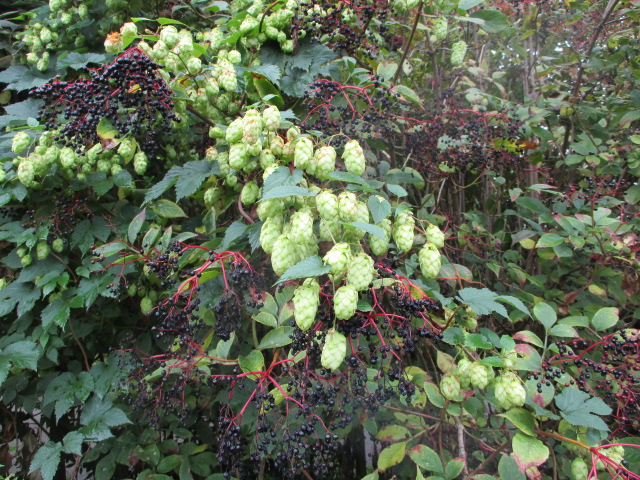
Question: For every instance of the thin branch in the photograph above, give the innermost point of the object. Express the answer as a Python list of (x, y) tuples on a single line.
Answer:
[(409, 42), (462, 453)]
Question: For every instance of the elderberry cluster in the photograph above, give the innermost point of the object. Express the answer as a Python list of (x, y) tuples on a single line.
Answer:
[(354, 27), (350, 111), (129, 93), (613, 377)]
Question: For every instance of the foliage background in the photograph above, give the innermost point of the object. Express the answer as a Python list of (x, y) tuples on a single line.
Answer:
[(524, 152)]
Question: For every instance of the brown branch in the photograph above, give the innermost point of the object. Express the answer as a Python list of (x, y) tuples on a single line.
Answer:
[(490, 458), (409, 42), (201, 116), (243, 213), (462, 453)]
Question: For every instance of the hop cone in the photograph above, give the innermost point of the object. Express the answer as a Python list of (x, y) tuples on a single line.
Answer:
[(327, 205), (284, 254), (250, 193), (305, 302), (353, 157), (450, 387), (271, 118), (345, 302), (435, 236), (360, 273), (326, 161), (302, 227), (458, 51), (330, 229), (347, 206), (303, 152), (238, 156), (338, 258), (334, 350), (429, 258), (270, 231), (269, 208), (440, 28), (463, 371), (403, 236), (252, 127), (479, 376)]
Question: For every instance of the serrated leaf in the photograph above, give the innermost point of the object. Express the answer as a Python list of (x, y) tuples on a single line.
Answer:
[(350, 178), (56, 313), (577, 408), (46, 460), (453, 336), (528, 451), (191, 175), (426, 458), (522, 419), (23, 354), (278, 337), (163, 185), (282, 177), (477, 340), (77, 60), (309, 267), (234, 232), (167, 209), (493, 20), (136, 225), (281, 192), (115, 417), (271, 72), (392, 455), (482, 301), (72, 443), (605, 318)]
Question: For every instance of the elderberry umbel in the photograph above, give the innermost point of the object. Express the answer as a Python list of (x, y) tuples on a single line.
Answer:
[(129, 93)]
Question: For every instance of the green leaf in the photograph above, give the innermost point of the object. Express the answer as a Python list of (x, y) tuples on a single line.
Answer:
[(528, 451), (371, 476), (272, 73), (234, 232), (167, 209), (532, 204), (266, 319), (46, 460), (136, 225), (77, 60), (379, 208), (545, 314), (522, 419), (407, 93), (469, 4), (453, 336), (23, 354), (549, 240), (577, 408), (393, 433), (605, 318), (254, 362), (508, 469), (169, 21), (493, 20), (482, 301), (106, 130), (278, 337), (192, 175), (309, 267), (386, 69), (426, 458), (163, 185), (631, 454), (350, 178), (282, 177), (372, 229), (72, 443), (281, 192), (564, 331), (397, 190), (453, 469), (392, 455), (477, 340), (629, 117)]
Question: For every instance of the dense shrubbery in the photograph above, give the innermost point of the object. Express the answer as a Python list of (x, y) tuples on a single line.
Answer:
[(330, 240)]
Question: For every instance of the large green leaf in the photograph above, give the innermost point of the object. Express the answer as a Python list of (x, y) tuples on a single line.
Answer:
[(579, 409)]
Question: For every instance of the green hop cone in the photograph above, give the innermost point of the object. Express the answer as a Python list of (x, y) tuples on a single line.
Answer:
[(403, 236), (347, 206), (450, 387), (463, 371), (238, 156), (458, 51), (380, 246), (327, 205), (57, 245), (345, 302), (140, 163), (228, 81), (509, 391), (305, 303), (284, 255), (42, 250), (169, 35), (26, 260), (26, 173), (271, 118), (334, 350), (353, 157), (146, 305), (127, 148), (303, 152), (234, 131), (435, 236), (270, 231), (302, 227), (326, 161), (479, 376), (250, 193), (360, 273), (20, 142), (579, 469), (430, 262), (440, 28), (252, 127), (338, 258), (615, 454)]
